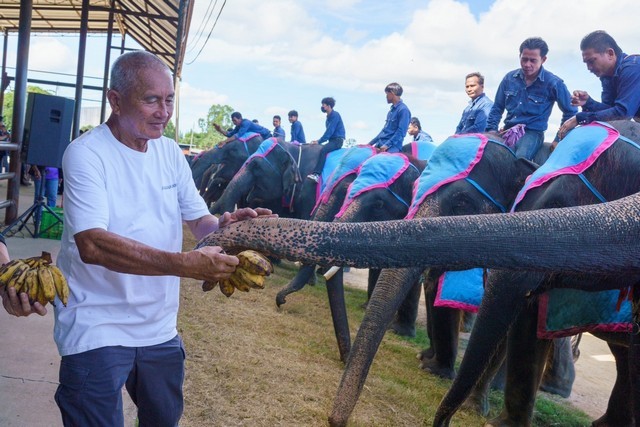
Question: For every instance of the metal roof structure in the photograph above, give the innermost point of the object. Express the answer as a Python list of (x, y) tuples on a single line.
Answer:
[(159, 26)]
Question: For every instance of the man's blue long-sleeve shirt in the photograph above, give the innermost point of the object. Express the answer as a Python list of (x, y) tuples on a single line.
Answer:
[(530, 105), (278, 132), (246, 126), (620, 94), (395, 128), (475, 115), (297, 132), (335, 127)]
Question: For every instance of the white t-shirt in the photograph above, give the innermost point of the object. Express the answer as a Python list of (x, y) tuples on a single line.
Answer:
[(142, 196)]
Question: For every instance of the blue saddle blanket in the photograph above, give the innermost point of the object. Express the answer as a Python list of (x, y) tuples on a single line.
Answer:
[(422, 150), (379, 171), (348, 164)]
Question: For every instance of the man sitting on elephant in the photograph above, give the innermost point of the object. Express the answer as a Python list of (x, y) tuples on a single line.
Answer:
[(528, 95), (395, 127), (333, 135), (620, 77), (243, 126)]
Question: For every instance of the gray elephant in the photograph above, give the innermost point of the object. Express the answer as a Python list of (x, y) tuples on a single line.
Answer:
[(610, 162), (596, 240), (213, 169)]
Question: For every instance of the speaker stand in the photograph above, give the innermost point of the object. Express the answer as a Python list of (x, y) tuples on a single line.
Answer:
[(35, 211)]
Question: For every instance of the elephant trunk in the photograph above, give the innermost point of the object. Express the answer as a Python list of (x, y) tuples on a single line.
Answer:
[(305, 272), (237, 188), (592, 239), (335, 293), (485, 343), (385, 300)]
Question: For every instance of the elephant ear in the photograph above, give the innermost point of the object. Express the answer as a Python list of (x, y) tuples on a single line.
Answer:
[(290, 176), (524, 168)]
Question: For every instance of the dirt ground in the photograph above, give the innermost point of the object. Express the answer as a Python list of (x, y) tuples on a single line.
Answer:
[(595, 369)]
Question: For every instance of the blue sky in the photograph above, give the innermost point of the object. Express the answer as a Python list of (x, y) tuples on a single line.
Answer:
[(266, 58)]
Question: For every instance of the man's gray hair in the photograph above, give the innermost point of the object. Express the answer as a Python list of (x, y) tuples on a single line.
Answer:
[(478, 75), (124, 71)]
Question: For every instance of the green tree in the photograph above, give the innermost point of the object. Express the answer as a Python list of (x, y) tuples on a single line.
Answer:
[(208, 135), (170, 130), (7, 108)]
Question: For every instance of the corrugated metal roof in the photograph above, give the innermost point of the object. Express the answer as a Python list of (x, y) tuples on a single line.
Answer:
[(159, 26)]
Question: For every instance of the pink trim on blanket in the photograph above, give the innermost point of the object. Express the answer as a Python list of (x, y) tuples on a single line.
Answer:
[(385, 184), (543, 333), (439, 302), (256, 154), (577, 169), (414, 149), (463, 174)]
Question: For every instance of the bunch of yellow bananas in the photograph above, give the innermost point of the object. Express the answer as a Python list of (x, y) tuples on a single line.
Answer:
[(37, 277), (250, 273)]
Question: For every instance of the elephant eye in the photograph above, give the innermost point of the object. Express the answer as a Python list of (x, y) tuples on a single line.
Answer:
[(462, 206)]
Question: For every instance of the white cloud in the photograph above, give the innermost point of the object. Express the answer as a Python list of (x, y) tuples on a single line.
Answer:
[(50, 54)]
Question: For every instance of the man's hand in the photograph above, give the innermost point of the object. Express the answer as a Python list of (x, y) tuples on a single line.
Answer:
[(579, 98), (314, 142), (567, 126), (383, 148), (243, 214), (18, 305), (210, 263)]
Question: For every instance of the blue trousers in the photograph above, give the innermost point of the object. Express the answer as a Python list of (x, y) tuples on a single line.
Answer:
[(50, 190), (90, 390), (529, 144)]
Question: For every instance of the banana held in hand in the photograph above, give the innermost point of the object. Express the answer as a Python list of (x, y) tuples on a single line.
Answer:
[(255, 263), (250, 273), (37, 277)]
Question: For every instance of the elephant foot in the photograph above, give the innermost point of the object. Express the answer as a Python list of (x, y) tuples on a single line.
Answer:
[(608, 421), (557, 386), (427, 353), (478, 402), (502, 421), (432, 366), (403, 330)]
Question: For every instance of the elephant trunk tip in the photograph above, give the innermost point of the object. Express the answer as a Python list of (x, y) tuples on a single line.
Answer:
[(337, 421), (442, 419)]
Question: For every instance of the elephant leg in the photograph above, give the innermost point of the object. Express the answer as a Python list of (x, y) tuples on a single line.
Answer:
[(296, 283), (467, 321), (391, 289), (335, 292), (404, 323), (560, 372), (504, 298), (479, 399), (446, 323), (619, 409), (429, 299), (634, 355), (526, 356)]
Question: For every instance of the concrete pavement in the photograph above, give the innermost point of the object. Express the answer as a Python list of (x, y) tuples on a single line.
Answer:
[(30, 359)]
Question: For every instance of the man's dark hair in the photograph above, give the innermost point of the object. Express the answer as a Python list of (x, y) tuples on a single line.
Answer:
[(476, 74), (533, 43), (600, 41), (277, 117), (394, 88), (236, 115), (328, 101), (416, 122), (293, 113)]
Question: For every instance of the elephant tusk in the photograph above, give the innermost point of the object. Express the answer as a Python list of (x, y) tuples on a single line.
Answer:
[(331, 272)]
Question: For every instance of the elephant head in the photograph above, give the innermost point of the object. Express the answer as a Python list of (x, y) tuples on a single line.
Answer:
[(607, 176), (229, 158)]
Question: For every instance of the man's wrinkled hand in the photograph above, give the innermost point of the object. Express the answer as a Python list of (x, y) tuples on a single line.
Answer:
[(244, 214), (18, 305)]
